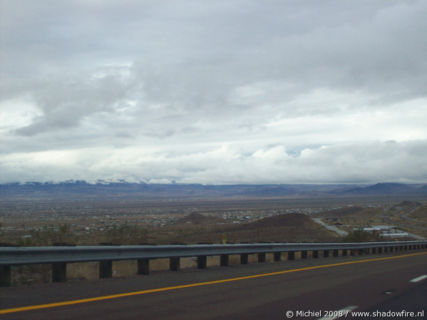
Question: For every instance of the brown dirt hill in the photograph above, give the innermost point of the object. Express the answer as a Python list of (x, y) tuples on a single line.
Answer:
[(294, 220), (419, 216), (405, 205), (281, 228), (352, 216), (337, 213), (197, 218)]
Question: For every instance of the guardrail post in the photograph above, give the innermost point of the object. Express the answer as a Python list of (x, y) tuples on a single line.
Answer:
[(315, 254), (344, 252), (244, 258), (174, 264), (5, 276), (105, 269), (59, 272), (335, 253), (360, 252), (277, 256), (325, 253), (352, 252), (143, 266), (291, 255), (304, 254), (224, 260), (380, 250), (201, 262), (373, 250), (261, 257)]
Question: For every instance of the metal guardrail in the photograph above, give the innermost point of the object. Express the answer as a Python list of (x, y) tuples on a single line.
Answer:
[(60, 256), (57, 254)]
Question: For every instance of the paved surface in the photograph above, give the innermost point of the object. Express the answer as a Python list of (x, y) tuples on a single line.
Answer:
[(371, 285), (338, 231)]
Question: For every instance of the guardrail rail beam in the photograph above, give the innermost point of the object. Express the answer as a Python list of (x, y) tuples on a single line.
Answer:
[(58, 258)]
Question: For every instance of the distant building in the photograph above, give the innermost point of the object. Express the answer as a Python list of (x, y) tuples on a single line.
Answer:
[(386, 231), (379, 228)]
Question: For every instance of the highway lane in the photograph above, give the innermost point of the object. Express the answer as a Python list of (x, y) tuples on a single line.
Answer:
[(366, 285)]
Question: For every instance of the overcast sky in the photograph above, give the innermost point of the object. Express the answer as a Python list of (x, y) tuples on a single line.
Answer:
[(213, 92)]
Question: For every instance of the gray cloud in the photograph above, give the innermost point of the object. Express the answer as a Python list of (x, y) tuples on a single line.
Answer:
[(168, 91)]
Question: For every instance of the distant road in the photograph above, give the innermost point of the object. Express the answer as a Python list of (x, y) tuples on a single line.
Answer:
[(254, 291), (340, 232)]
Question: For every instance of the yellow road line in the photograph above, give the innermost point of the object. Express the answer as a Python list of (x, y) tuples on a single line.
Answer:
[(135, 293)]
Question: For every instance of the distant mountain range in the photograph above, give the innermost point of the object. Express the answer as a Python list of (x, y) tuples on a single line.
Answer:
[(388, 188), (82, 189)]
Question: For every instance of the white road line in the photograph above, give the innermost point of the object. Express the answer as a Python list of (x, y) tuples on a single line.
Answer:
[(419, 278), (339, 313)]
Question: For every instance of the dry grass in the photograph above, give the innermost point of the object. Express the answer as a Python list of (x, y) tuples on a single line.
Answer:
[(420, 214)]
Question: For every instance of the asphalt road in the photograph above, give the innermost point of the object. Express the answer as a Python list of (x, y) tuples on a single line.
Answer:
[(306, 286)]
